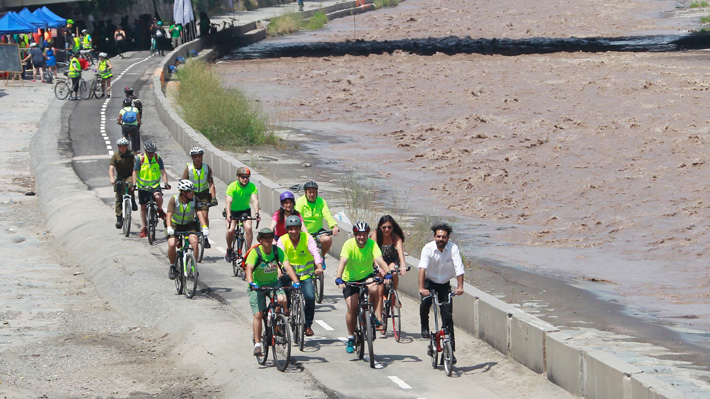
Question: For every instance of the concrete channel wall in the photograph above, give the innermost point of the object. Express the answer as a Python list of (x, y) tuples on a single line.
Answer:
[(536, 344)]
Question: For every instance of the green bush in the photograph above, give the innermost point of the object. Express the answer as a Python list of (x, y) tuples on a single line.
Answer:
[(226, 117), (317, 21), (386, 3), (293, 22), (705, 19), (701, 4)]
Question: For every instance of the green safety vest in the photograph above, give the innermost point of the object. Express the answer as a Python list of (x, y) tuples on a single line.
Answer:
[(149, 175), (86, 44), (104, 70), (299, 256), (74, 68), (198, 179), (183, 213)]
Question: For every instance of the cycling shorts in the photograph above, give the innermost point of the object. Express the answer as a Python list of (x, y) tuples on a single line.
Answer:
[(239, 214), (144, 196), (192, 227), (349, 291), (203, 200)]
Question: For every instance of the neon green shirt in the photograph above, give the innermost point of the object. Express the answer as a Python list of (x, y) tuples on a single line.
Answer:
[(313, 213), (241, 196), (268, 271), (360, 260)]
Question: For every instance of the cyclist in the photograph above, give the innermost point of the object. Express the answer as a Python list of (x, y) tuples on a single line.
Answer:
[(390, 239), (106, 71), (314, 210), (76, 44), (87, 45), (135, 101), (147, 172), (356, 264), (180, 218), (75, 74), (130, 120), (278, 220), (121, 168), (241, 193), (262, 270), (201, 176), (439, 263), (302, 254)]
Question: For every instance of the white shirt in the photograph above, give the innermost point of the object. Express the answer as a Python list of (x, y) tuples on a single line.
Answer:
[(440, 266)]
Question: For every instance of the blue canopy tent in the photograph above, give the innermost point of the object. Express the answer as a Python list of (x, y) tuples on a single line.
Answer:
[(51, 22), (13, 23), (29, 17), (50, 16)]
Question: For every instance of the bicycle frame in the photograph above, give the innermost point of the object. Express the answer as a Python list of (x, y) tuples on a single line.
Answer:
[(441, 334)]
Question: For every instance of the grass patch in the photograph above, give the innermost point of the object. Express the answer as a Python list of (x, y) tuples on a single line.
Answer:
[(386, 3), (699, 4), (293, 22), (226, 117), (705, 19)]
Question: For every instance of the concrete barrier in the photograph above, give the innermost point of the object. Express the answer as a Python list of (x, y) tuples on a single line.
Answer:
[(528, 340)]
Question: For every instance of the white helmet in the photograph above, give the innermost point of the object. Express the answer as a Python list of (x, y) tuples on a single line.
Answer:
[(196, 151), (150, 146), (185, 185), (122, 141), (103, 55)]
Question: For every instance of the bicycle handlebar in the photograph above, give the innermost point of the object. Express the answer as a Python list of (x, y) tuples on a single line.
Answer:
[(433, 295), (322, 233), (359, 284)]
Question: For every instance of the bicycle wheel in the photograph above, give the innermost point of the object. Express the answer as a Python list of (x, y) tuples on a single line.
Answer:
[(236, 263), (359, 339), (368, 337), (282, 342), (448, 358), (394, 310), (200, 248), (385, 312), (152, 222), (264, 345), (61, 90), (190, 276), (300, 330), (126, 217), (98, 89), (319, 287), (84, 91), (433, 352), (179, 282)]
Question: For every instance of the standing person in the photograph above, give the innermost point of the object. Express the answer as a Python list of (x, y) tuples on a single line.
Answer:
[(76, 44), (439, 263), (356, 259), (38, 61), (175, 33), (278, 220), (51, 60), (302, 254), (390, 239), (158, 37), (87, 45), (147, 172), (130, 120), (119, 37), (121, 168), (201, 176), (314, 211), (106, 71), (242, 195), (181, 219), (75, 74)]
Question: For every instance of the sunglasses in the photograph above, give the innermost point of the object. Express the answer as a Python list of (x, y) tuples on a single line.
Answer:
[(386, 227)]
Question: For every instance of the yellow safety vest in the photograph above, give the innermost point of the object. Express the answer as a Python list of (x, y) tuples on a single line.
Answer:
[(74, 68), (104, 70), (149, 175), (87, 42), (183, 213), (198, 179), (77, 44), (299, 257)]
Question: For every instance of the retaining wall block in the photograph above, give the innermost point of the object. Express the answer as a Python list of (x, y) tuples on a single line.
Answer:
[(564, 362), (527, 340), (494, 322), (608, 376)]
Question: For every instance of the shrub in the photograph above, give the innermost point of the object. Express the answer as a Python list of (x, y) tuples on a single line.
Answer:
[(386, 3), (293, 22)]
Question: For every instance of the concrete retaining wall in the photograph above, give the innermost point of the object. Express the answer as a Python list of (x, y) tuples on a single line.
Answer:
[(530, 341)]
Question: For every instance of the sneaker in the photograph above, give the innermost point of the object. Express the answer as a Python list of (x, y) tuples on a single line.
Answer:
[(207, 244), (308, 332), (144, 232), (172, 272), (425, 332), (257, 351), (350, 347), (108, 95), (161, 213), (378, 324), (229, 256), (119, 222)]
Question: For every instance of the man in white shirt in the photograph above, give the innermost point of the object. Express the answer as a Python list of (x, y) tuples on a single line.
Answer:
[(439, 263)]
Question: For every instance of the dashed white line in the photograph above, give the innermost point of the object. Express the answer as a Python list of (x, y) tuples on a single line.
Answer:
[(324, 325), (399, 382)]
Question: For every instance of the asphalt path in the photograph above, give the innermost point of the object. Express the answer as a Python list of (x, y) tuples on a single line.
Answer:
[(403, 369)]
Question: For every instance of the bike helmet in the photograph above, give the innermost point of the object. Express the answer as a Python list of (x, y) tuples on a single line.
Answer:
[(185, 185), (264, 232), (150, 146), (128, 90), (292, 220), (160, 23), (122, 141), (33, 44), (361, 227), (196, 151), (84, 31), (243, 171), (127, 101), (286, 195), (310, 184), (103, 55), (70, 22)]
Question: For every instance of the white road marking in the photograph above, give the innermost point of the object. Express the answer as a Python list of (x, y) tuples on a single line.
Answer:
[(110, 153), (324, 325), (399, 382), (345, 340)]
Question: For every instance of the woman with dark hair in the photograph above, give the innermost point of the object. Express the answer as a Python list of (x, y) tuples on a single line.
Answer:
[(390, 238), (278, 219)]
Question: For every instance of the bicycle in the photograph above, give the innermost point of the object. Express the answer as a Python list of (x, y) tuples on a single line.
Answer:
[(127, 205), (62, 87), (318, 284), (391, 309), (365, 329), (201, 240), (87, 55), (440, 341), (276, 332), (298, 315), (96, 88), (186, 266), (152, 209), (239, 246)]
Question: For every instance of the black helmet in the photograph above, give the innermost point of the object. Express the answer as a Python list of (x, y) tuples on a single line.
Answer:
[(127, 102), (128, 90), (292, 220), (361, 227), (310, 184)]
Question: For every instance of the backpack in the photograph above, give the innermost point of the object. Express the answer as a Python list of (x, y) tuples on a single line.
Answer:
[(130, 116), (159, 33), (259, 256)]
